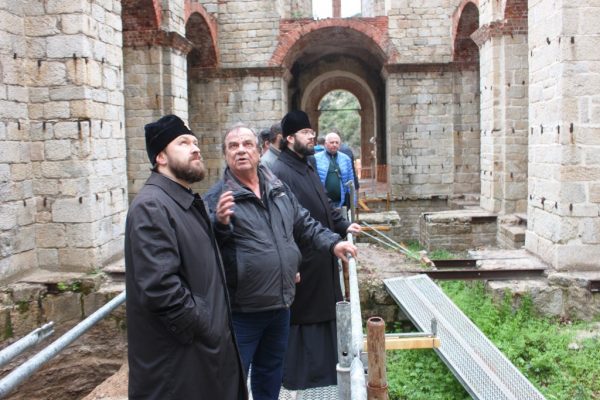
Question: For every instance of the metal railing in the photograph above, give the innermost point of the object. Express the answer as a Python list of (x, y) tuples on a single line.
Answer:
[(350, 368), (29, 367)]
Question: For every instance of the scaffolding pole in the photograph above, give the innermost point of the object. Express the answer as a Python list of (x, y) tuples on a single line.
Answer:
[(29, 367)]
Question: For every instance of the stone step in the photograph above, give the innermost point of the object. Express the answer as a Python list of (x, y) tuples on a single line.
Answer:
[(115, 270), (511, 231)]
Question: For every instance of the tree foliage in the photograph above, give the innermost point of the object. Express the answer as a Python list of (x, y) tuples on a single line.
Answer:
[(340, 109)]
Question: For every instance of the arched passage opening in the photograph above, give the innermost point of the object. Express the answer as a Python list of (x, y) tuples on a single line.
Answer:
[(345, 57), (467, 131), (340, 80)]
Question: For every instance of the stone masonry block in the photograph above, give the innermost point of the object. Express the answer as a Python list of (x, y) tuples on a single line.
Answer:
[(68, 7), (62, 308), (79, 260), (75, 210), (57, 150), (50, 235)]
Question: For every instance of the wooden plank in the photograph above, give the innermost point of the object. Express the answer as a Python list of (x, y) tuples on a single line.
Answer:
[(377, 227), (363, 205), (396, 343)]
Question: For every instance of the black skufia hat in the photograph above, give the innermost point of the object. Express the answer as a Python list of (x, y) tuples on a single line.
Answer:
[(160, 133), (293, 122)]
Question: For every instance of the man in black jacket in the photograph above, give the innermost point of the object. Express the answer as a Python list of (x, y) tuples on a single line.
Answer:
[(312, 347), (179, 328), (260, 227)]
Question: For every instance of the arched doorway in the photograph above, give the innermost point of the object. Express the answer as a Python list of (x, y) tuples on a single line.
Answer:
[(341, 80), (467, 130), (342, 54)]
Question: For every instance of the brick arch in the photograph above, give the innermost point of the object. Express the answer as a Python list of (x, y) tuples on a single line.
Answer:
[(340, 80), (464, 48), (456, 17), (201, 30), (141, 15), (295, 35)]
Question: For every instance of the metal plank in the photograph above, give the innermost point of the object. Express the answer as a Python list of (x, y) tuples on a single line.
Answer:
[(475, 361), (492, 274)]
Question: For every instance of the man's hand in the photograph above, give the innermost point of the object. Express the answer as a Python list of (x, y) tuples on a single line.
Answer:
[(342, 248), (225, 208), (354, 229)]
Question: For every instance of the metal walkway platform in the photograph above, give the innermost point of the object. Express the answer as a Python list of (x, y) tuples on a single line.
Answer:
[(319, 393), (475, 361)]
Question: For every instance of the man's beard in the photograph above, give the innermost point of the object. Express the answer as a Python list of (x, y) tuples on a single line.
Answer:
[(188, 173), (303, 149)]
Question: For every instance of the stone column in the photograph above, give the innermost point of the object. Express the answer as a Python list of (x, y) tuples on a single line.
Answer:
[(155, 85), (17, 201), (74, 80), (564, 134), (503, 66)]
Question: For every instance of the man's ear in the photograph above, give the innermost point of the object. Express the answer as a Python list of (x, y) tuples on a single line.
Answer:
[(161, 158)]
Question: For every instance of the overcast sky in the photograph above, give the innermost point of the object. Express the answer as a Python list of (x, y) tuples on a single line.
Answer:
[(323, 8)]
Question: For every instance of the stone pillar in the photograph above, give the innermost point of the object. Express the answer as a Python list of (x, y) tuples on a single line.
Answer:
[(17, 201), (503, 66), (337, 8), (155, 85), (155, 75), (64, 161), (564, 134)]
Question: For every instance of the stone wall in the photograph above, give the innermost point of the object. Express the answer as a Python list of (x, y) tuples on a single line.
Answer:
[(64, 155), (564, 134), (17, 201), (65, 300), (457, 230), (420, 134), (218, 104)]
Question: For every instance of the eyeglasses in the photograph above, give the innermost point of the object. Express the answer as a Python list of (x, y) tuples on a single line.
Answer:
[(307, 132)]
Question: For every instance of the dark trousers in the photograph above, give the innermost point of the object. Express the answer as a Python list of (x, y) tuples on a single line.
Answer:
[(262, 339)]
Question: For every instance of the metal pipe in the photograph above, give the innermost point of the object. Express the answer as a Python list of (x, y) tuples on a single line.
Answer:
[(344, 339), (381, 241), (377, 383), (359, 385), (390, 240), (19, 374), (30, 340)]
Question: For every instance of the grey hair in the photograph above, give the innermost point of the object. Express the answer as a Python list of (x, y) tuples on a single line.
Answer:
[(236, 127)]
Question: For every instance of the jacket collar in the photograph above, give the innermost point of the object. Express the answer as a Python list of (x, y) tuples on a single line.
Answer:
[(183, 196), (266, 177), (294, 161)]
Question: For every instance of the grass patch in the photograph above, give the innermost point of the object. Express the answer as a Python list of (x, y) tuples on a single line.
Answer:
[(538, 346)]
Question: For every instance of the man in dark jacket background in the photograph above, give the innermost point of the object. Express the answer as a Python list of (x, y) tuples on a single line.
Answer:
[(312, 347), (180, 335), (260, 226)]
